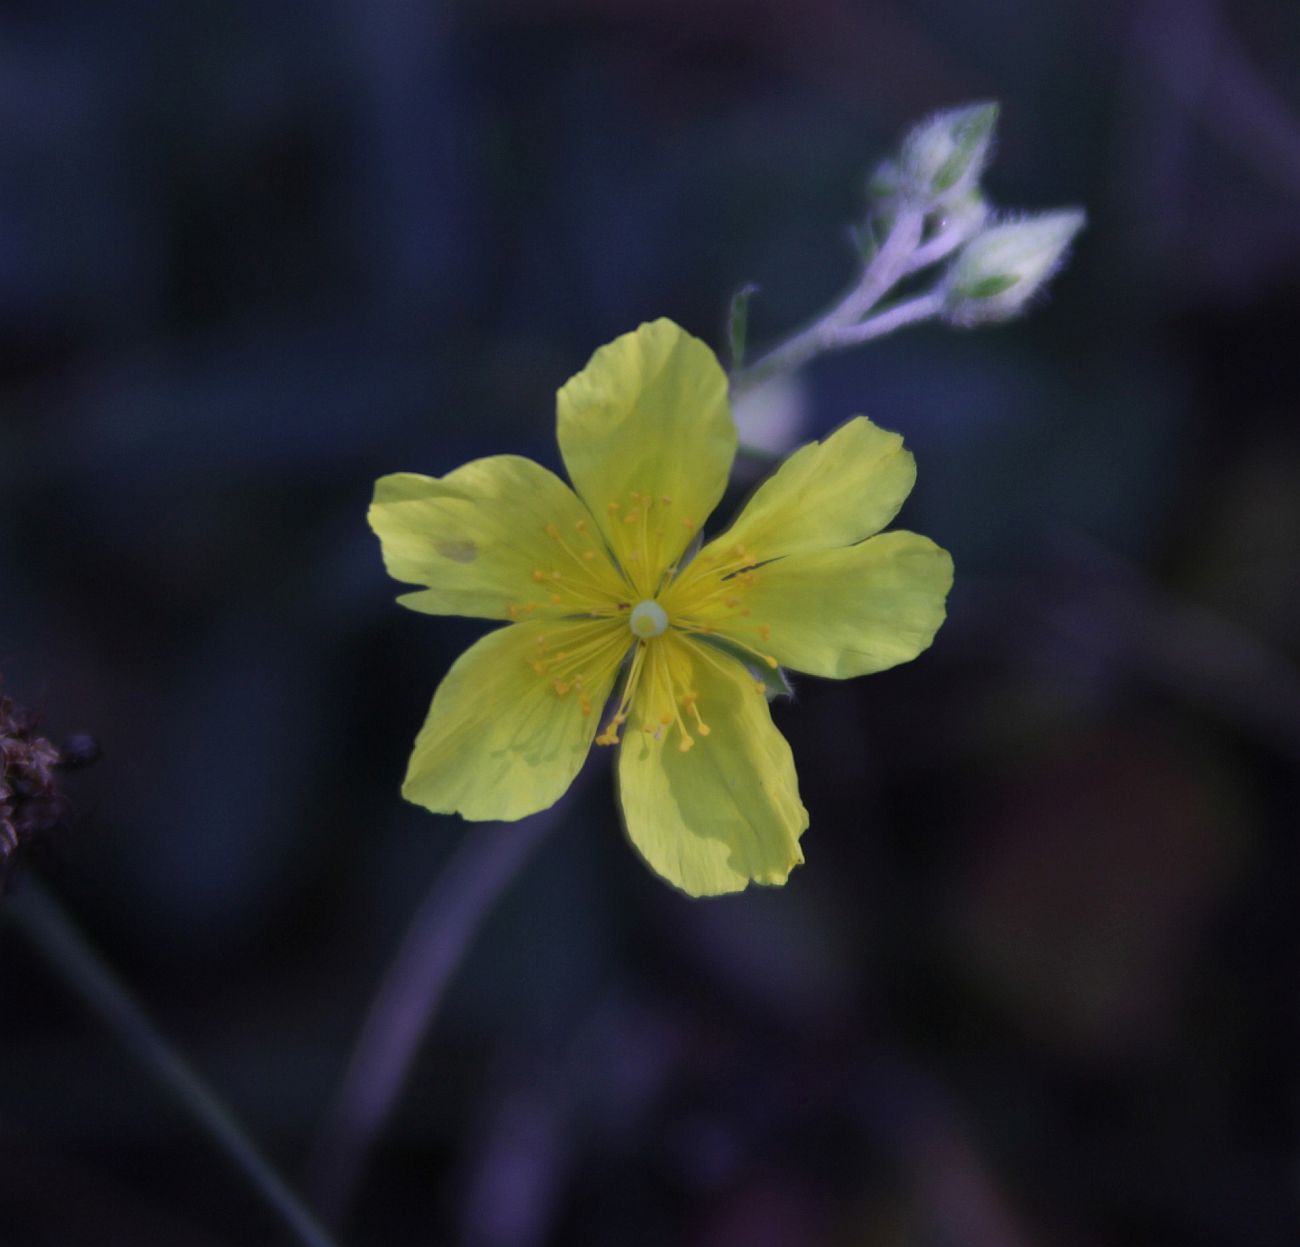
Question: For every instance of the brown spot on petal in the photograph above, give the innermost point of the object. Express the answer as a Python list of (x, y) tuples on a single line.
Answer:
[(457, 551)]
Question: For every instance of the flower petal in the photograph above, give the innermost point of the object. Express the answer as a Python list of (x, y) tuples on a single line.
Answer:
[(827, 494), (477, 535), (500, 742), (842, 613), (726, 812), (648, 416)]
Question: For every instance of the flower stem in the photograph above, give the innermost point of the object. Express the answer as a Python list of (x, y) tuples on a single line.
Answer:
[(889, 265), (67, 950), (923, 307), (940, 247), (439, 935)]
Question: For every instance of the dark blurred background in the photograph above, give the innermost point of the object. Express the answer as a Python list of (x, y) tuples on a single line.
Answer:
[(1036, 985)]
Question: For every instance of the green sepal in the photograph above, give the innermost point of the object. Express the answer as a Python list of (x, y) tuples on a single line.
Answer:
[(968, 133), (774, 681), (987, 287), (738, 322)]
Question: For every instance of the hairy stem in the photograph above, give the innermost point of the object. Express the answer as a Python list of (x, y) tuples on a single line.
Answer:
[(923, 307), (884, 271)]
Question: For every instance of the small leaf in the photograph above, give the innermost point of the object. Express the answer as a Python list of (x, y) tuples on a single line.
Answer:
[(738, 322)]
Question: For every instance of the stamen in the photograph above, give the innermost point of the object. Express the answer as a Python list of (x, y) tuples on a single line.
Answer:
[(659, 693), (593, 590), (610, 735), (689, 701)]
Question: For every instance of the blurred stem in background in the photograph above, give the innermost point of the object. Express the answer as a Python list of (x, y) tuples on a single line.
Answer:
[(53, 933), (440, 933)]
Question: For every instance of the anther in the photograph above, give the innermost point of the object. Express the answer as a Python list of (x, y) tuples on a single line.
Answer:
[(689, 702)]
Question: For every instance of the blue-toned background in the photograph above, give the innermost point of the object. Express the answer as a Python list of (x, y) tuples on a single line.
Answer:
[(1036, 985)]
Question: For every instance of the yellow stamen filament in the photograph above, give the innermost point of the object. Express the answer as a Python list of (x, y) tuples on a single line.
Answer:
[(689, 701), (591, 659), (590, 586), (659, 695), (610, 735)]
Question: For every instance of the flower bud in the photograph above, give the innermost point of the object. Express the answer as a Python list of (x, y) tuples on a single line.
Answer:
[(963, 217), (1001, 268), (883, 184), (942, 159)]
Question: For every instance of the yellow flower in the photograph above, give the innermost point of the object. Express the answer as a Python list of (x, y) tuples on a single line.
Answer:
[(599, 581)]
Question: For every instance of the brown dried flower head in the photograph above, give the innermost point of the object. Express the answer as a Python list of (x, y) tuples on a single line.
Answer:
[(31, 803)]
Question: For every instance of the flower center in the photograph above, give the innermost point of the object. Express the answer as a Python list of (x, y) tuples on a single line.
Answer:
[(648, 619)]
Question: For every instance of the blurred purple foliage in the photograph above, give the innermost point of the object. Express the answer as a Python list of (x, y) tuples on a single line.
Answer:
[(1035, 986)]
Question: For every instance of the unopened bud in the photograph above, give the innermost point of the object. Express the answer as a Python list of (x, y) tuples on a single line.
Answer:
[(1004, 266), (883, 183), (943, 159), (964, 217)]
